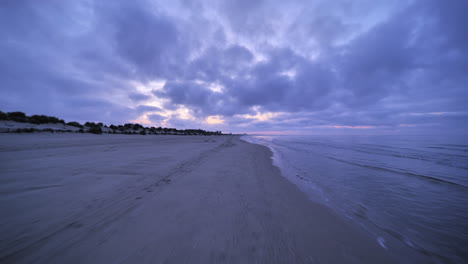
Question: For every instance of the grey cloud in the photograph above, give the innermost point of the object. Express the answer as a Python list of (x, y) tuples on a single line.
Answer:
[(76, 59), (137, 97), (155, 118), (181, 123), (375, 64), (190, 94), (215, 64), (144, 39), (147, 108), (248, 17), (270, 87)]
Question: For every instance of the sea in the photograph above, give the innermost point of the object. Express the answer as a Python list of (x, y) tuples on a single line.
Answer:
[(412, 189)]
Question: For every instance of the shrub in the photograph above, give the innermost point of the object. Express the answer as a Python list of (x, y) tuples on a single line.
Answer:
[(38, 119), (3, 116), (142, 132), (17, 116), (137, 127), (43, 119), (81, 130), (55, 120), (95, 130), (75, 124), (90, 124)]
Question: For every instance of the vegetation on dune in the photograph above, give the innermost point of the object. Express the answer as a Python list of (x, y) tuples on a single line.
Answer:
[(3, 116), (75, 124), (96, 128), (43, 119), (35, 119), (17, 116)]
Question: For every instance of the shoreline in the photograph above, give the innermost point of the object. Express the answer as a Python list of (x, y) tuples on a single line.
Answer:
[(399, 249), (202, 199)]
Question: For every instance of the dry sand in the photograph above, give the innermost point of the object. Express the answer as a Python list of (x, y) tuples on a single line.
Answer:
[(79, 198)]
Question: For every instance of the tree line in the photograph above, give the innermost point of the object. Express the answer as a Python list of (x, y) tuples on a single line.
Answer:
[(35, 119), (98, 128)]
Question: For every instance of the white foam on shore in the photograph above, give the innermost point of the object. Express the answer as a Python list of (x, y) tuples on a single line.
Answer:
[(288, 170), (261, 140)]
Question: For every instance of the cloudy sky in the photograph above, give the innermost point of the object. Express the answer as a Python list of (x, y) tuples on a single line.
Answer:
[(342, 66)]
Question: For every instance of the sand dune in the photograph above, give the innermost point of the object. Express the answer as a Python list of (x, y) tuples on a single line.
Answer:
[(79, 198)]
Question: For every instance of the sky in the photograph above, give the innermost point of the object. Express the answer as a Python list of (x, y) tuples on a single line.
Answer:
[(266, 66)]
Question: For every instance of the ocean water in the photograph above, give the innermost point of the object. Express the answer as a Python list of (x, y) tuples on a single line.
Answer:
[(410, 188)]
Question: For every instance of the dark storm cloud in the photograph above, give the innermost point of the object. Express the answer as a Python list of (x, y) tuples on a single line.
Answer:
[(186, 93), (217, 64), (148, 41), (197, 97), (285, 82), (340, 63)]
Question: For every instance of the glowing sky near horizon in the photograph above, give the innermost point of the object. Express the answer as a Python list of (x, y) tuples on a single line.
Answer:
[(386, 66)]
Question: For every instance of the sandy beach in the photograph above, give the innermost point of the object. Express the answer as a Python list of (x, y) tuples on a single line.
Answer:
[(80, 198)]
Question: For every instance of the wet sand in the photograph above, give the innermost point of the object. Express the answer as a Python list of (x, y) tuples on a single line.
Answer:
[(79, 198)]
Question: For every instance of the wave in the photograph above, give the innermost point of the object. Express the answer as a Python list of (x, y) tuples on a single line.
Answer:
[(400, 172)]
